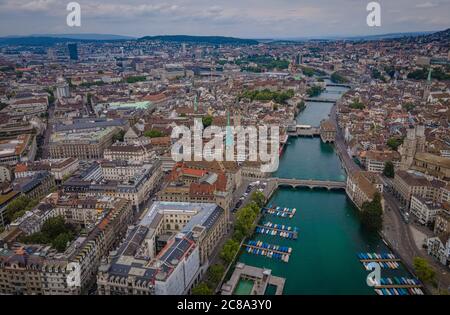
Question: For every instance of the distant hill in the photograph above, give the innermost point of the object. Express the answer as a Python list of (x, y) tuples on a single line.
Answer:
[(215, 40), (87, 36), (50, 40), (350, 38), (387, 36)]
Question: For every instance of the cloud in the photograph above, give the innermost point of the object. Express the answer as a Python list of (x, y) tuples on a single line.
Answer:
[(29, 6), (426, 5), (245, 18)]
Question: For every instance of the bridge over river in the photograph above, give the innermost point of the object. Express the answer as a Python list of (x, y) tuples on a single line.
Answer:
[(310, 183)]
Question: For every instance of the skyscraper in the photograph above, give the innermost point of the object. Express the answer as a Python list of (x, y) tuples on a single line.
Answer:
[(73, 51)]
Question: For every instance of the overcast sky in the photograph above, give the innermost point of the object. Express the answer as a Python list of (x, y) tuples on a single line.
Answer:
[(240, 18)]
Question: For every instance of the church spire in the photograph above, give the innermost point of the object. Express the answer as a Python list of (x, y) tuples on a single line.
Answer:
[(429, 76), (229, 141), (195, 104)]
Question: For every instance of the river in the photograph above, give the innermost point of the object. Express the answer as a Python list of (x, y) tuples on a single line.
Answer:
[(324, 258)]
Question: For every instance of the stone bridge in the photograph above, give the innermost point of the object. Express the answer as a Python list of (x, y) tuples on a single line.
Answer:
[(310, 183), (320, 100), (303, 131)]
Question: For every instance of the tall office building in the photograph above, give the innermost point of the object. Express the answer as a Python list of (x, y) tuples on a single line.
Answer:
[(73, 51)]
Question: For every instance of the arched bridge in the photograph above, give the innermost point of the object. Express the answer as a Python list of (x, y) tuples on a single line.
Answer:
[(310, 183)]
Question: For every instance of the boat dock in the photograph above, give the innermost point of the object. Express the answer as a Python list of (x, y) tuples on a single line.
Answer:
[(383, 265), (271, 251), (398, 286), (280, 212), (274, 229), (384, 260), (374, 257)]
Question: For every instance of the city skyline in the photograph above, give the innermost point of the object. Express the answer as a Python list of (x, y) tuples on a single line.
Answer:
[(245, 19)]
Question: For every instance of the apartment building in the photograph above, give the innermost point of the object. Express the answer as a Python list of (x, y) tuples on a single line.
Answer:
[(28, 107), (35, 186), (21, 148), (409, 183), (425, 210), (360, 188), (439, 248), (59, 168), (376, 160), (38, 269)]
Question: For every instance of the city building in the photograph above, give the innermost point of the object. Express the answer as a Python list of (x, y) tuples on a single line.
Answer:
[(73, 51), (39, 269), (327, 131), (21, 148), (439, 248), (196, 185), (36, 185), (143, 265), (376, 160), (62, 88), (414, 143), (84, 145), (60, 168), (360, 189), (409, 183), (28, 107), (138, 153), (425, 210), (136, 183), (5, 174)]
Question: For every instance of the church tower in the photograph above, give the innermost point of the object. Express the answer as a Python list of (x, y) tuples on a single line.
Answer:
[(427, 89), (420, 137), (408, 149)]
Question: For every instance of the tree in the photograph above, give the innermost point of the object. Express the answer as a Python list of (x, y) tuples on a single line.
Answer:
[(54, 232), (389, 169), (60, 242), (215, 274), (409, 106), (153, 133), (202, 289), (229, 250), (268, 95), (136, 79), (394, 143), (259, 198), (301, 105), (372, 214), (423, 270), (244, 220), (337, 78), (54, 227), (18, 204), (376, 74), (315, 91), (51, 95), (356, 105), (119, 136), (207, 121)]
